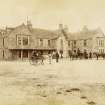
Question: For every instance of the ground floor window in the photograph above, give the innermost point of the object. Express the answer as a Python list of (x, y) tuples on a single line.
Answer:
[(101, 50), (19, 54), (25, 54), (3, 54), (22, 54)]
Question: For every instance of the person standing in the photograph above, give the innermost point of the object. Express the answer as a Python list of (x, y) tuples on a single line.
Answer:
[(90, 55), (57, 57), (97, 56), (70, 54), (42, 58), (50, 57), (85, 54)]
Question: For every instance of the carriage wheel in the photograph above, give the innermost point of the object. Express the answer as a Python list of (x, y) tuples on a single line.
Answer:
[(32, 62)]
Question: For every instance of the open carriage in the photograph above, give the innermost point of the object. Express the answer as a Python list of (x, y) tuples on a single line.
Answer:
[(36, 58)]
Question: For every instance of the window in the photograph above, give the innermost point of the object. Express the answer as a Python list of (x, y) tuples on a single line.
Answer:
[(53, 43), (99, 50), (19, 54), (85, 42), (19, 40), (49, 42), (102, 42), (3, 42), (61, 41), (25, 54), (25, 40), (69, 43), (97, 42), (102, 50), (41, 42), (74, 42), (22, 40)]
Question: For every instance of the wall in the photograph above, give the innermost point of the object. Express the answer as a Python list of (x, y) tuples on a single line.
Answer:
[(65, 45)]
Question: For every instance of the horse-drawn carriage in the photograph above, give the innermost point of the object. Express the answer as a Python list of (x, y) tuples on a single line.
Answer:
[(36, 58)]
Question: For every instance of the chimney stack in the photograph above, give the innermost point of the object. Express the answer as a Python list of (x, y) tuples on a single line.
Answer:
[(29, 24), (60, 26)]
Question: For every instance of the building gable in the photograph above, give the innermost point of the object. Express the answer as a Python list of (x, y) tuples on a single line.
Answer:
[(22, 29)]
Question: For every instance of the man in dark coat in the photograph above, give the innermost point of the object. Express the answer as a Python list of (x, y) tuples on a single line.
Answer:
[(97, 56), (70, 54), (90, 55), (85, 54), (57, 57)]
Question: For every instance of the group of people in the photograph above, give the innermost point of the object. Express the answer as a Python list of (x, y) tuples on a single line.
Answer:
[(53, 55), (85, 55), (39, 57), (76, 54)]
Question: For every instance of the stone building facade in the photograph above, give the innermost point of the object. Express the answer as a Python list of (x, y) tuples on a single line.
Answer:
[(89, 40), (25, 39), (19, 42)]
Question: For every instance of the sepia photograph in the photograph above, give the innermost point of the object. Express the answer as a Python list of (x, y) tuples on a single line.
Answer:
[(52, 52)]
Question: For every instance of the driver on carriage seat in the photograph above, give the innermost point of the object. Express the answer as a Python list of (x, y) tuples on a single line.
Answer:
[(34, 54)]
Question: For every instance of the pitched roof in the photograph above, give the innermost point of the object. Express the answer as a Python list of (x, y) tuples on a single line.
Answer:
[(37, 32), (21, 29), (85, 34), (44, 34), (1, 35)]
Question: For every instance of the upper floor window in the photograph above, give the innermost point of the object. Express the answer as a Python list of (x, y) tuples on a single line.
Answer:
[(101, 43), (22, 40), (49, 42), (69, 43), (19, 40), (41, 42), (85, 42), (53, 43), (74, 42), (25, 41)]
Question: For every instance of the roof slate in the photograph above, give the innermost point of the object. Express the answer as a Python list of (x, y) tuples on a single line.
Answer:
[(44, 34), (37, 32), (85, 34), (21, 29)]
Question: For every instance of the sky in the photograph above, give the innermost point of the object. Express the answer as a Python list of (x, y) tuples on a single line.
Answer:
[(48, 14)]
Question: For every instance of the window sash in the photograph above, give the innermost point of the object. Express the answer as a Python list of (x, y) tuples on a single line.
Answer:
[(85, 42), (49, 42), (25, 41), (22, 40), (41, 42)]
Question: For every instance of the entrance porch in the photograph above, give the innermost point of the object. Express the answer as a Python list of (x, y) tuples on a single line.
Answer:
[(25, 54)]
